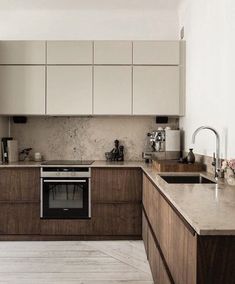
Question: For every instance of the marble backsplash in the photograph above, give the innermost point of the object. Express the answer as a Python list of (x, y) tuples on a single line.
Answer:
[(85, 137)]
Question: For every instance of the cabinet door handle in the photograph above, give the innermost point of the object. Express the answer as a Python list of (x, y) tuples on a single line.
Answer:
[(64, 180)]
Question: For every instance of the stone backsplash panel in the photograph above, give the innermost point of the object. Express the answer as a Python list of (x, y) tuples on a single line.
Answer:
[(85, 137)]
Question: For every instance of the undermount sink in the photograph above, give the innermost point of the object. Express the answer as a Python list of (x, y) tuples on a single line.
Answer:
[(194, 179)]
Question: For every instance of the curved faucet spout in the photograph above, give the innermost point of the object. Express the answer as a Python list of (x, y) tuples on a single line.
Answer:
[(216, 162)]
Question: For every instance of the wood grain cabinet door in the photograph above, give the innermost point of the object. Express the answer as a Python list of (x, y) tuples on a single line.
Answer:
[(19, 184), (156, 263), (19, 219), (67, 227), (117, 219), (116, 185), (182, 250), (145, 232)]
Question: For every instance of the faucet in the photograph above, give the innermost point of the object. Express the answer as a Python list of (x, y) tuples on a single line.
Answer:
[(216, 162)]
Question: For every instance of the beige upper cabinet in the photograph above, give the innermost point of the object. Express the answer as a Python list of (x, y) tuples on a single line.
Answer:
[(112, 90), (69, 90), (113, 52), (22, 90), (156, 52), (69, 52), (22, 52), (156, 90)]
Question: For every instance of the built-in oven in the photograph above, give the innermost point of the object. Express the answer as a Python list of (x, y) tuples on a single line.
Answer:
[(65, 192)]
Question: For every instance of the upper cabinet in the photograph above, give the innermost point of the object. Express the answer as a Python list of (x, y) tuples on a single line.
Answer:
[(83, 77), (22, 90), (112, 90), (113, 52), (22, 52), (156, 52), (156, 90), (69, 90), (69, 52)]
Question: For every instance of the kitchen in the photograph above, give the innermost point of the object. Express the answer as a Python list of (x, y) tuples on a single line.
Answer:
[(83, 74)]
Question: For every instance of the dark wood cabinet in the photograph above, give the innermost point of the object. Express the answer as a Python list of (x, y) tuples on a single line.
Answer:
[(19, 184), (107, 220), (19, 219), (175, 243), (158, 268), (19, 201), (176, 253), (110, 185)]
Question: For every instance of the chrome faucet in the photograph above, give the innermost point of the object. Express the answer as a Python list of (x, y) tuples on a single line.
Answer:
[(216, 161)]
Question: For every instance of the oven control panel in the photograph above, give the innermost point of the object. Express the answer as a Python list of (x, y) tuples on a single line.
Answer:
[(63, 172)]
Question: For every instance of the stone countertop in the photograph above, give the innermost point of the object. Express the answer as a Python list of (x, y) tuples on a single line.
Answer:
[(23, 164), (208, 208)]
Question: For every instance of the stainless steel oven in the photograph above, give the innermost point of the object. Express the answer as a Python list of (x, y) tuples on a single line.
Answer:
[(65, 192)]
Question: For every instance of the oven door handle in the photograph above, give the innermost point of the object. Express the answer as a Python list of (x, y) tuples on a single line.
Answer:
[(65, 180)]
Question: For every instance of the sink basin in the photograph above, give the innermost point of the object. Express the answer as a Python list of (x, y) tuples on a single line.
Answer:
[(186, 179)]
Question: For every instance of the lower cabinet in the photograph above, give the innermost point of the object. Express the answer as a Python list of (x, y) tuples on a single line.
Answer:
[(19, 219), (156, 263), (115, 211), (175, 252), (106, 220)]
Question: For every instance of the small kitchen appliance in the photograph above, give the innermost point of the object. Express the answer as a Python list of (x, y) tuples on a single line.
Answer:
[(65, 190), (163, 144)]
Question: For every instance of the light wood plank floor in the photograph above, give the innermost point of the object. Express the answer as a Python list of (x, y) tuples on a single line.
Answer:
[(81, 262)]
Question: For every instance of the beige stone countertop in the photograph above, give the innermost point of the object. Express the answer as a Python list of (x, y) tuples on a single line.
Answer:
[(24, 164), (125, 164), (208, 208)]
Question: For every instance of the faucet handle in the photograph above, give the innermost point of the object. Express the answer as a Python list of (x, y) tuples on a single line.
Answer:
[(214, 160)]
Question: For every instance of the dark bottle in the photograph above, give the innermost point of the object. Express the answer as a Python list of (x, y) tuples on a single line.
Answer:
[(190, 157)]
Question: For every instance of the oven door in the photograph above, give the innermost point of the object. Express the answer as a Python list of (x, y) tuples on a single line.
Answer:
[(65, 198)]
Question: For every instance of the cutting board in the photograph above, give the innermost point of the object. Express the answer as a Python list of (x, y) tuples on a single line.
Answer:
[(175, 166)]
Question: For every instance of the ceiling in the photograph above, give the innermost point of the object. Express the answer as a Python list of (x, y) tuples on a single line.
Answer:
[(89, 4)]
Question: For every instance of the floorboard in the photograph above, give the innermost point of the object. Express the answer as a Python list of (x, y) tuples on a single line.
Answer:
[(81, 262)]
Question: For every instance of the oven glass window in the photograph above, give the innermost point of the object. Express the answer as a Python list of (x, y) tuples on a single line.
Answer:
[(66, 195)]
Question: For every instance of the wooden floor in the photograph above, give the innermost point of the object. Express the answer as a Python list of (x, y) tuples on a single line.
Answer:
[(90, 262)]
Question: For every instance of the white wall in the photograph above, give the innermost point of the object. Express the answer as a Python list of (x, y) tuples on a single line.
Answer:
[(88, 24), (210, 91)]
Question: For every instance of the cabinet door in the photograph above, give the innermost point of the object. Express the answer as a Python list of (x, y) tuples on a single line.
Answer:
[(22, 52), (156, 263), (19, 184), (113, 52), (156, 90), (156, 52), (145, 232), (69, 90), (116, 185), (107, 220), (112, 90), (19, 219), (22, 90), (69, 52)]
